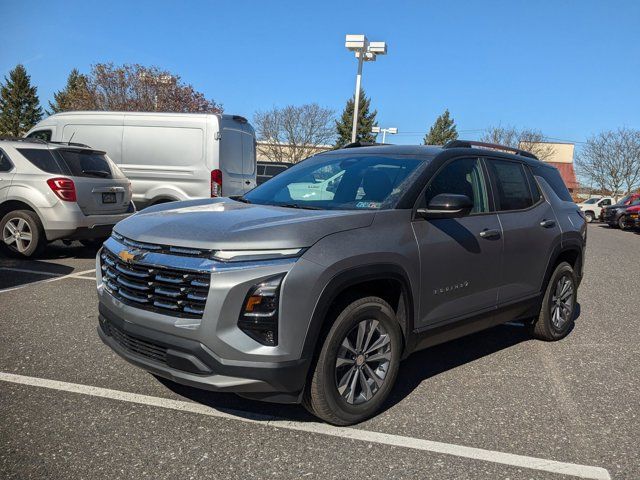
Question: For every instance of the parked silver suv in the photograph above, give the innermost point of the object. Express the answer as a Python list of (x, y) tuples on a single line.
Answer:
[(52, 191), (313, 286)]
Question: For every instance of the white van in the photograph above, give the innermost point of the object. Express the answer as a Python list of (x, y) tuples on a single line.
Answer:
[(167, 156)]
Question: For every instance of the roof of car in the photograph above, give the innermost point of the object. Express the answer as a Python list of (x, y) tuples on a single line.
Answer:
[(42, 144), (429, 151)]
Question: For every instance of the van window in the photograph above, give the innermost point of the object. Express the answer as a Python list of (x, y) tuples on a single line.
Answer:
[(41, 135), (85, 163), (553, 178), (162, 146), (512, 190), (42, 159)]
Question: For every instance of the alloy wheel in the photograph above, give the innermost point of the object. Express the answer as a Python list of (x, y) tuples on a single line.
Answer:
[(17, 234), (363, 361), (562, 301)]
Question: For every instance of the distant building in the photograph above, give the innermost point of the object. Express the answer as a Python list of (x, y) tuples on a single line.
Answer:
[(561, 157), (263, 150)]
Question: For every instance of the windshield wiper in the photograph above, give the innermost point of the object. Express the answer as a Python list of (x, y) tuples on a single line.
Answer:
[(297, 205), (97, 173)]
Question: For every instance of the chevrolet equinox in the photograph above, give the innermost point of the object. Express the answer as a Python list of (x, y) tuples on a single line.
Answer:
[(315, 285)]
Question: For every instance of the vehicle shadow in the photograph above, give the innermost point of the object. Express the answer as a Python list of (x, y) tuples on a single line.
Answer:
[(416, 369)]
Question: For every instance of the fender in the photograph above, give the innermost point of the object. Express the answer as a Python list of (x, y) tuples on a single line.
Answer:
[(571, 245), (348, 278)]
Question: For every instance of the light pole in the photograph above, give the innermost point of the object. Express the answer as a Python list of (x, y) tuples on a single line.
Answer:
[(390, 130), (365, 51)]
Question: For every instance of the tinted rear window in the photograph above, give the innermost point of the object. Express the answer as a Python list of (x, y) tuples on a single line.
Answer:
[(5, 163), (42, 159), (85, 163), (553, 178)]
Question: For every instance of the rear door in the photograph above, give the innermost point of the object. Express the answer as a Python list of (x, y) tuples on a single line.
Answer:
[(101, 188), (7, 171), (529, 225), (460, 258), (237, 159)]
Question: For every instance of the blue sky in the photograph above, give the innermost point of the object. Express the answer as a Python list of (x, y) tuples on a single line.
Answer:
[(567, 68)]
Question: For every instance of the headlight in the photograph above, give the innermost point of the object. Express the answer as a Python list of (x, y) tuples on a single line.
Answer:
[(259, 315), (245, 255)]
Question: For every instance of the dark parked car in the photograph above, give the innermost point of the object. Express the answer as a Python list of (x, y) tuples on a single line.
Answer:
[(616, 215), (267, 170), (314, 295)]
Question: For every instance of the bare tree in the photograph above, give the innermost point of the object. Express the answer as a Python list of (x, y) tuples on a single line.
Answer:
[(531, 140), (140, 88), (611, 160), (293, 133)]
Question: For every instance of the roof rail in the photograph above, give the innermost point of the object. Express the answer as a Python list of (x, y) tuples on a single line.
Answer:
[(493, 146), (363, 144), (22, 139)]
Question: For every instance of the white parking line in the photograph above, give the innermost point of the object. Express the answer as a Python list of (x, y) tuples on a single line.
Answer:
[(522, 461), (48, 280)]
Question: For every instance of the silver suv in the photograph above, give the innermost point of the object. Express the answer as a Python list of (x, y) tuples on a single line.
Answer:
[(52, 191), (312, 287)]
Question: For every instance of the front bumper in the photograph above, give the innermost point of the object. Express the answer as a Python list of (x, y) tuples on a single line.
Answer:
[(189, 362)]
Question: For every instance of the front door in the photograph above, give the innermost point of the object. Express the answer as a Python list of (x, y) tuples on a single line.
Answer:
[(460, 258)]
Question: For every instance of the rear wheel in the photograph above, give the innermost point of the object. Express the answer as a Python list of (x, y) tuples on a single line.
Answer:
[(22, 233), (357, 364), (556, 318)]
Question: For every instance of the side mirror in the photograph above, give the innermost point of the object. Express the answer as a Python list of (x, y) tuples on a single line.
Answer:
[(447, 205)]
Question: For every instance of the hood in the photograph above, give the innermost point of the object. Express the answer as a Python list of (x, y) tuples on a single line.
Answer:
[(222, 223)]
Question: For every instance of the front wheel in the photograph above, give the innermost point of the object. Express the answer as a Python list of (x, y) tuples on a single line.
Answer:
[(357, 364), (556, 318), (589, 217), (622, 222)]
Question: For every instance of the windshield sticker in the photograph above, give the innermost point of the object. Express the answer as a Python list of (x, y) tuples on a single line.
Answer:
[(368, 205)]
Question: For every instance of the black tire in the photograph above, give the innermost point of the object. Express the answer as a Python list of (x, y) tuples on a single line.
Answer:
[(322, 397), (589, 217), (622, 222), (34, 227), (544, 327)]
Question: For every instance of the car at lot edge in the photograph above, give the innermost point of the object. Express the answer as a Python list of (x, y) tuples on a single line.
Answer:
[(615, 215), (633, 216), (52, 191), (167, 156), (592, 207), (267, 170), (285, 298)]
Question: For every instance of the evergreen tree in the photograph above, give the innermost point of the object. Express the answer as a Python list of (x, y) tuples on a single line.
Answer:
[(74, 96), (443, 130), (366, 120), (19, 105)]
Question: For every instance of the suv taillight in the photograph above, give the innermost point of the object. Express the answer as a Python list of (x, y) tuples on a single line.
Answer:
[(64, 188), (216, 183)]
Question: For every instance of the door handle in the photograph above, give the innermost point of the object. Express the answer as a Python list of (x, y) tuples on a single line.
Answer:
[(548, 223), (489, 234), (248, 182)]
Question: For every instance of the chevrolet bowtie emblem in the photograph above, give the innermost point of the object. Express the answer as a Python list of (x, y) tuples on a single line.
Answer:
[(128, 256)]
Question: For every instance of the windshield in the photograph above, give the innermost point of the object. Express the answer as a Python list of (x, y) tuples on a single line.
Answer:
[(591, 200), (345, 182)]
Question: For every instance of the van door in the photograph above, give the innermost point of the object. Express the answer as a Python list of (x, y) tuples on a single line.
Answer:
[(107, 138), (232, 158), (248, 158)]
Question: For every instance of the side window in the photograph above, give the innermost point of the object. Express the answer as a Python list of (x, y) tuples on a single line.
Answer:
[(553, 178), (533, 185), (5, 163), (512, 190), (462, 177), (605, 203), (42, 158), (41, 135)]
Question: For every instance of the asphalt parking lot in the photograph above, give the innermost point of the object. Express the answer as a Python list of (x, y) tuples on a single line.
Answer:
[(493, 405)]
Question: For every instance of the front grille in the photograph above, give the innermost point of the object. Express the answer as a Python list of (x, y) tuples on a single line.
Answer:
[(137, 345), (180, 293)]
